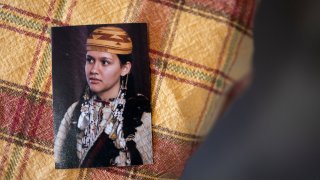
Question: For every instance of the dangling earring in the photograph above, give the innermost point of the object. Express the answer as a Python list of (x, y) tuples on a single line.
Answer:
[(86, 98), (86, 95), (118, 114), (123, 92), (124, 82)]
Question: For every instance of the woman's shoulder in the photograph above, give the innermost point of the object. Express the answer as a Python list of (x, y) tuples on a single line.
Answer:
[(72, 107), (135, 107), (70, 110), (139, 102), (146, 118), (143, 138)]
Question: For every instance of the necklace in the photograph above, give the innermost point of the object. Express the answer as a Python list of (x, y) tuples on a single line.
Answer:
[(97, 117)]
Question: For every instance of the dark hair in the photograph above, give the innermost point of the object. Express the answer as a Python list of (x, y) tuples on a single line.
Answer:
[(124, 58)]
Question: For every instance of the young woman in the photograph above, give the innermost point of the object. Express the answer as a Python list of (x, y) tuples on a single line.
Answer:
[(106, 127)]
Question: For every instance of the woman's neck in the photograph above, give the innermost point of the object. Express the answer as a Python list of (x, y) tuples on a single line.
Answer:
[(110, 93)]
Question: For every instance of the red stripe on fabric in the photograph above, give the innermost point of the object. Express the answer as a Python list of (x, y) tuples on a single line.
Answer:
[(170, 4), (231, 20), (11, 28), (47, 111), (163, 74), (242, 13), (223, 8), (26, 88), (20, 110), (35, 57), (23, 137), (5, 156), (167, 48), (73, 4), (40, 42), (9, 101), (153, 62), (34, 126), (21, 104), (12, 112), (158, 31), (171, 57), (221, 55), (165, 21), (19, 142), (169, 155), (28, 80), (33, 15), (34, 113), (250, 4), (249, 20), (218, 65), (36, 16), (54, 21), (11, 125)]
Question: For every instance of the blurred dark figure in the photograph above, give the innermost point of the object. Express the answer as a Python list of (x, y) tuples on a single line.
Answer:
[(273, 130)]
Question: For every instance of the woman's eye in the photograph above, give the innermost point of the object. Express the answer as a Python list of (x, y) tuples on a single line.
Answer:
[(105, 62), (90, 60)]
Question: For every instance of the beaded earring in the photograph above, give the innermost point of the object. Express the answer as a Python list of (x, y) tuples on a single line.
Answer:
[(86, 97), (116, 133)]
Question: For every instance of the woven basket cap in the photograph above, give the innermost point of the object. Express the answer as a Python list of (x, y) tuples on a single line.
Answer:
[(109, 39)]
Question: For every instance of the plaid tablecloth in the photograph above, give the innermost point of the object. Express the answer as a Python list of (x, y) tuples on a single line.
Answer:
[(199, 50)]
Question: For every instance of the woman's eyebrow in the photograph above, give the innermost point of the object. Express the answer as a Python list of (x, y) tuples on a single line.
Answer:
[(106, 58), (90, 56)]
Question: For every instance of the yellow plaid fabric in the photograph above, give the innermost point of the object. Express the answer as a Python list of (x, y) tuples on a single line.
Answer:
[(198, 49)]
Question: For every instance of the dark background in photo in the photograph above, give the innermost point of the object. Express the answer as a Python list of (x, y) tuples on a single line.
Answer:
[(69, 57)]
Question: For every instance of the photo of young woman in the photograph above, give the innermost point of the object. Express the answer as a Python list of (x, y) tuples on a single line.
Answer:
[(110, 123)]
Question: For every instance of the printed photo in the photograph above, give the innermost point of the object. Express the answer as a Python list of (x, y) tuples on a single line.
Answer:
[(101, 96)]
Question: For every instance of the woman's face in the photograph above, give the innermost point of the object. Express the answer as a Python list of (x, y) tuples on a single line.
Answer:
[(103, 71)]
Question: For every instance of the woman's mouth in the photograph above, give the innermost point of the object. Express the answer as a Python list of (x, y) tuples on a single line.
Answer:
[(94, 80)]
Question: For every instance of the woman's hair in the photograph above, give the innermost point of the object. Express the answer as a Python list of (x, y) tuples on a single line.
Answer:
[(124, 58)]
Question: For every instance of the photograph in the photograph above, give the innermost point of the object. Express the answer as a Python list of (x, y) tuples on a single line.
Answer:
[(101, 96)]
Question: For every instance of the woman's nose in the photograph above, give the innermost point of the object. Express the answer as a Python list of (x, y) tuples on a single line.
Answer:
[(94, 69)]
